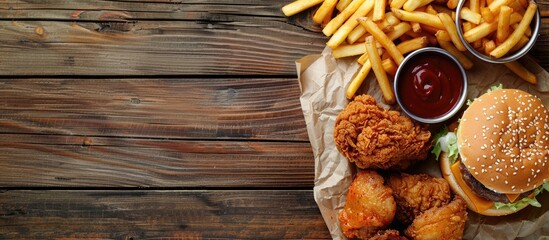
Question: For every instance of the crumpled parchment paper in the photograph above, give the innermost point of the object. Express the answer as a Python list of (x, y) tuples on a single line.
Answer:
[(323, 81)]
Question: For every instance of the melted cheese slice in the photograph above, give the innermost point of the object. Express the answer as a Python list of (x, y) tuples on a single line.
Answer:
[(512, 197), (481, 204)]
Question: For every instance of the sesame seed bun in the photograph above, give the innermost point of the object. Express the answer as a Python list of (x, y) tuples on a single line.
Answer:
[(503, 140)]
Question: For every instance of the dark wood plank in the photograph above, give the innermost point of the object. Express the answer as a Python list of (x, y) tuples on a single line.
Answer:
[(200, 39), (281, 214), (161, 38), (541, 50), (140, 10), (132, 10), (252, 109), (72, 161)]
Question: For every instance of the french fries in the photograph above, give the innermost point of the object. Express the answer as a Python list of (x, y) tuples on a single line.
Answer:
[(503, 23), (323, 11), (416, 27), (480, 31), (513, 39), (342, 4), (451, 29), (474, 5), (431, 10), (470, 16), (389, 66), (381, 35), (522, 72), (467, 26), (349, 50), (523, 40), (452, 4), (336, 22), (442, 35), (399, 30), (385, 41), (448, 46), (341, 34), (496, 4), (386, 25), (489, 46), (379, 10), (420, 17), (414, 4), (397, 3), (378, 70), (486, 14), (410, 45), (299, 6), (359, 78)]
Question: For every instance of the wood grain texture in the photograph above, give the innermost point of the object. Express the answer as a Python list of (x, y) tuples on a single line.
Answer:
[(136, 215), (140, 10), (540, 51), (78, 161), (160, 38), (200, 39), (217, 108)]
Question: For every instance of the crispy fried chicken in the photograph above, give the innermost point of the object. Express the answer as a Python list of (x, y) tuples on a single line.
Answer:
[(374, 137), (446, 222), (415, 194), (369, 206), (388, 235)]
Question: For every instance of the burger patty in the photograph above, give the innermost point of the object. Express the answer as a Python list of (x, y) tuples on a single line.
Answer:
[(484, 192)]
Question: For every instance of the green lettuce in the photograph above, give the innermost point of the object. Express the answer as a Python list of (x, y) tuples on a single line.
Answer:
[(445, 141), (496, 87), (437, 149), (525, 201), (469, 102)]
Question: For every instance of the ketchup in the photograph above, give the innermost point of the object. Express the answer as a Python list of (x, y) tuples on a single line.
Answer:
[(431, 85)]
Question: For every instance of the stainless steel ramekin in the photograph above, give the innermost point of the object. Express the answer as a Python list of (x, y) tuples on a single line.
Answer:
[(451, 112), (535, 25)]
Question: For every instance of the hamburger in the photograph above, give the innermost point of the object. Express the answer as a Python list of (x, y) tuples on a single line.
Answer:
[(498, 157)]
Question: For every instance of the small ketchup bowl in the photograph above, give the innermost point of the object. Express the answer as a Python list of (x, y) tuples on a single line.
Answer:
[(430, 85)]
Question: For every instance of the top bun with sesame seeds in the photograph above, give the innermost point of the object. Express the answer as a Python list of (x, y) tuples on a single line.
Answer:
[(503, 147), (503, 141)]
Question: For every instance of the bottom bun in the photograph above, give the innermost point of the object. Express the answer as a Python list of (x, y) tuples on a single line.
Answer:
[(457, 189)]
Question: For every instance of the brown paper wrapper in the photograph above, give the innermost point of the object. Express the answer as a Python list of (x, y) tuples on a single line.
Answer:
[(323, 81)]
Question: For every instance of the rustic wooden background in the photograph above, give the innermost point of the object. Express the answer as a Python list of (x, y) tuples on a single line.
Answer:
[(160, 118)]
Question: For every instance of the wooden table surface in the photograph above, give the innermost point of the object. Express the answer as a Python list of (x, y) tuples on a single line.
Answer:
[(157, 119)]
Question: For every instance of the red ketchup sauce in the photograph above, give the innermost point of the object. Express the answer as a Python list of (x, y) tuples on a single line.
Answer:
[(431, 85)]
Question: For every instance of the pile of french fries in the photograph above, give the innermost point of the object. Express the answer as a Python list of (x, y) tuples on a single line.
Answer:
[(381, 32)]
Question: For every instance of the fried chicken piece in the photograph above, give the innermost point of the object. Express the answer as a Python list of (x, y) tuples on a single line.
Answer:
[(374, 137), (415, 194), (369, 206), (446, 222), (388, 235)]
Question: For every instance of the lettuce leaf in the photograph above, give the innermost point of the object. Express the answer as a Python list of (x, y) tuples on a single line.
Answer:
[(437, 149), (445, 141), (521, 203), (469, 102), (495, 87), (453, 151)]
